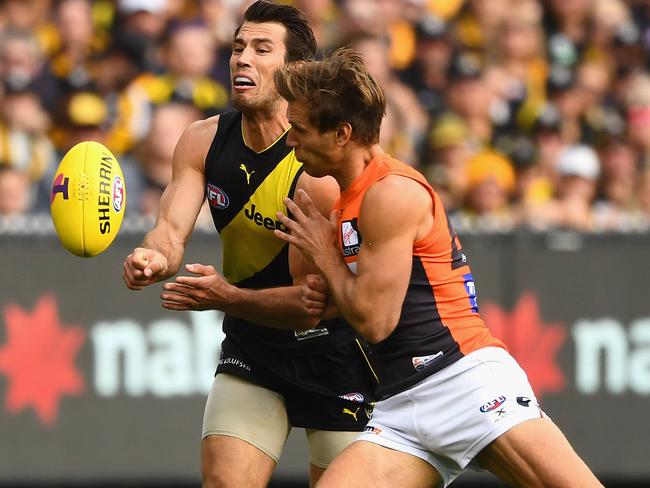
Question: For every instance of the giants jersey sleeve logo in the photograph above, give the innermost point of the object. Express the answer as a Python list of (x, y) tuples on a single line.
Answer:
[(350, 237)]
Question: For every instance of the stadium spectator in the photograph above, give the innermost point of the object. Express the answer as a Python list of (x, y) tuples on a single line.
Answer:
[(187, 57), (391, 21), (114, 69), (21, 109), (70, 64), (220, 16), (547, 136), (637, 105), (521, 68), (22, 65), (491, 184), (478, 23), (616, 198), (578, 169), (146, 20), (15, 191), (427, 74), (533, 186), (80, 116), (564, 93), (153, 156), (405, 117), (24, 143), (33, 16), (498, 65), (567, 27), (470, 96), (445, 164), (642, 212), (323, 16)]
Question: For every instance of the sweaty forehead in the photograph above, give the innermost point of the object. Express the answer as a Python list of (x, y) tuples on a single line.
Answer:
[(272, 31)]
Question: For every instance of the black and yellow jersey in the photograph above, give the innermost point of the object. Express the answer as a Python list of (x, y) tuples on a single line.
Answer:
[(245, 190)]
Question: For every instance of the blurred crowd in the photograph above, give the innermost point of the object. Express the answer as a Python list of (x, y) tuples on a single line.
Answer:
[(521, 113)]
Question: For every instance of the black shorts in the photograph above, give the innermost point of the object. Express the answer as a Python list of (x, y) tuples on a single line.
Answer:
[(325, 390)]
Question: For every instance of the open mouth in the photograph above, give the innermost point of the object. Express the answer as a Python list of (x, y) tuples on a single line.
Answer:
[(243, 82)]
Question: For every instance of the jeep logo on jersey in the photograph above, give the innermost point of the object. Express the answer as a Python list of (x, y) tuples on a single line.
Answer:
[(266, 222), (493, 404), (350, 237), (217, 197)]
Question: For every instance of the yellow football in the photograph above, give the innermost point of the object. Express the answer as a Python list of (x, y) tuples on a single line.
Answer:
[(88, 199)]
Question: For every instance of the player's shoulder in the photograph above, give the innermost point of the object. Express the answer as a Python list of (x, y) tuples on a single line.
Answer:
[(202, 130), (397, 193), (313, 185), (322, 191), (398, 186), (194, 143)]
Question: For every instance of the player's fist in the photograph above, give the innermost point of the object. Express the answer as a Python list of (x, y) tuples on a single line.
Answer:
[(315, 294), (143, 267)]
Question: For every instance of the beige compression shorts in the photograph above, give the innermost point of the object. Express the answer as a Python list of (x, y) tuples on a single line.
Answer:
[(257, 415)]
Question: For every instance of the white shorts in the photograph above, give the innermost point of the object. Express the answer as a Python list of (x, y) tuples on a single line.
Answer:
[(449, 417), (238, 408)]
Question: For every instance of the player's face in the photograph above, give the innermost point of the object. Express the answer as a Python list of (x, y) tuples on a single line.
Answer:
[(317, 151), (257, 51)]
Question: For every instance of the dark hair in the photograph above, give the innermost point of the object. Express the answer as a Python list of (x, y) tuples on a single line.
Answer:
[(337, 89), (300, 41)]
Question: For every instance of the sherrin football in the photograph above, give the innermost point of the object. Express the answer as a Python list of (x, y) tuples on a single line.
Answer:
[(88, 198)]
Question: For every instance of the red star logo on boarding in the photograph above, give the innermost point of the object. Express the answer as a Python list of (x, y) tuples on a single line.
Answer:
[(38, 359), (532, 342)]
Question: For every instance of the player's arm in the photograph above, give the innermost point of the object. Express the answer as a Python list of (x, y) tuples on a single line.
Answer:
[(315, 295), (160, 254), (285, 307), (395, 213), (281, 307)]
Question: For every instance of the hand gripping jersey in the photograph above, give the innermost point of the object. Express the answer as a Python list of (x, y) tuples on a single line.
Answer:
[(245, 190), (439, 322)]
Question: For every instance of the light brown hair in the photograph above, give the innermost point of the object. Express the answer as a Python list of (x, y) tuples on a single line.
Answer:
[(337, 90)]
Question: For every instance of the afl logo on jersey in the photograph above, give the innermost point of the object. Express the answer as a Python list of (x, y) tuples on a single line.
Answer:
[(353, 397), (493, 404), (217, 197)]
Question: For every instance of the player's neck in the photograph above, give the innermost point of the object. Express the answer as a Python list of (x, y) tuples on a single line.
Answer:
[(354, 162), (261, 130)]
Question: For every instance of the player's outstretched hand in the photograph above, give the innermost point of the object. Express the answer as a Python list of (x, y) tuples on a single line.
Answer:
[(208, 290), (143, 267)]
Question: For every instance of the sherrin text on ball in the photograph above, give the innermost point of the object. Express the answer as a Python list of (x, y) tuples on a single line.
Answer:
[(88, 199)]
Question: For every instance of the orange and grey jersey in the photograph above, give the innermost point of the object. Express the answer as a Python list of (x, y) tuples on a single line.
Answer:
[(245, 189), (439, 321)]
